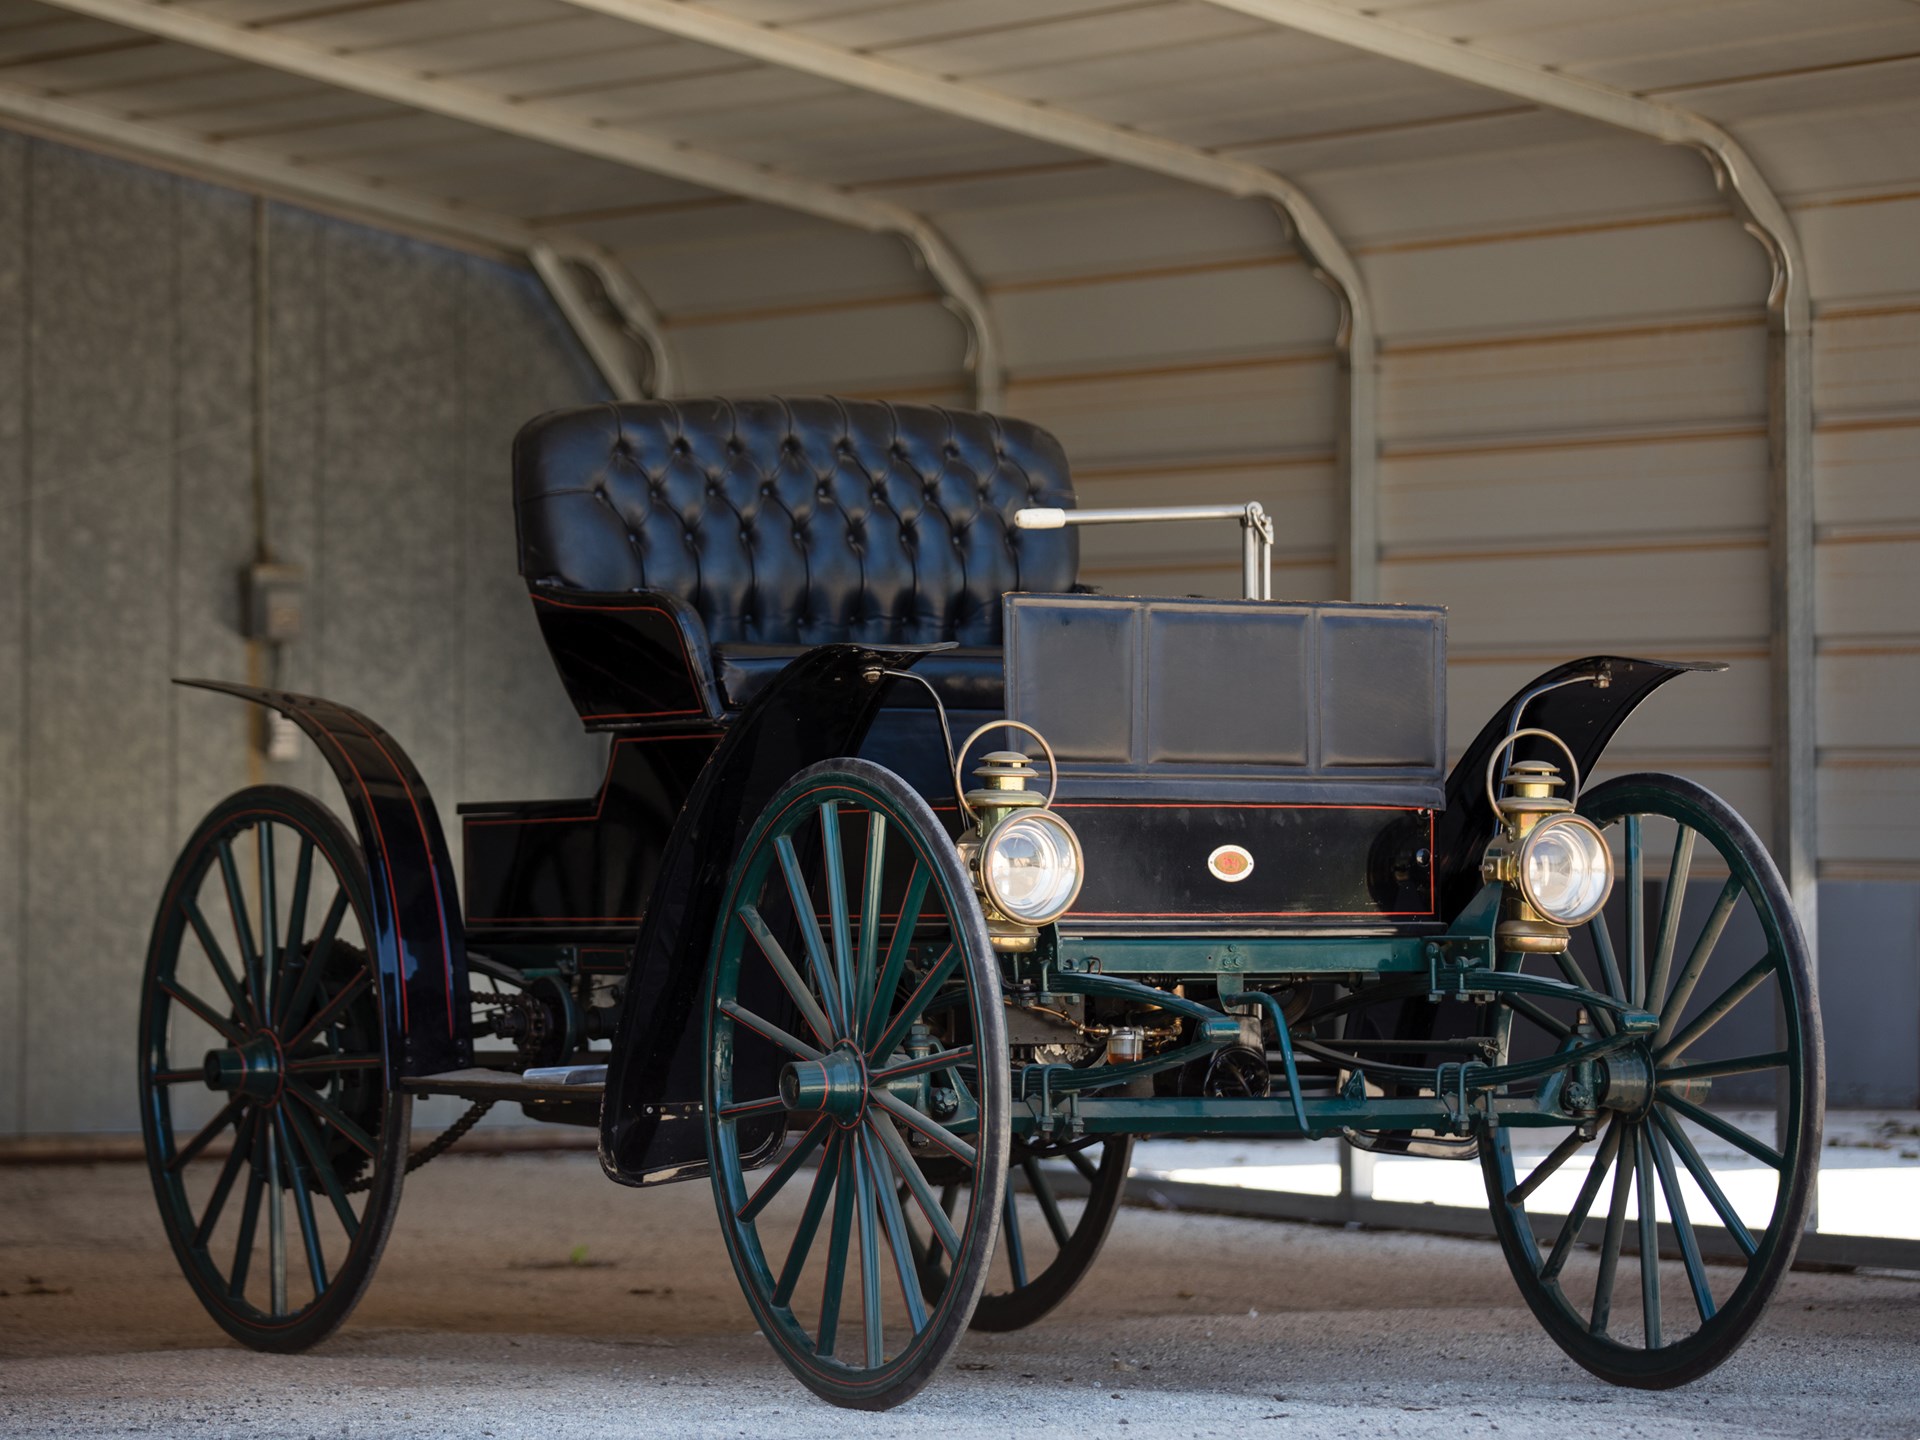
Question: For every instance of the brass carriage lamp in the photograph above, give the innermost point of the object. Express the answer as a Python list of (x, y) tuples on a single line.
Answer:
[(1026, 861), (1555, 863)]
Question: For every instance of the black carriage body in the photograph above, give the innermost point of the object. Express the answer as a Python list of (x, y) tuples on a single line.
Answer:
[(744, 595), (1308, 742)]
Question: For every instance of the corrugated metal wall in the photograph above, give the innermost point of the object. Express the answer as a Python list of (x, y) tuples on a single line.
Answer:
[(399, 373)]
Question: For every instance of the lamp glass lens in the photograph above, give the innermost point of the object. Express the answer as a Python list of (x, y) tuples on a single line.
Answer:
[(1032, 867), (1567, 871)]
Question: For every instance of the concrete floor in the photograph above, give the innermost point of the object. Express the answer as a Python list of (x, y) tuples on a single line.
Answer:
[(479, 1325)]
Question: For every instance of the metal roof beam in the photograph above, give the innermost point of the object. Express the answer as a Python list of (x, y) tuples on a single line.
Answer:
[(1330, 259), (960, 291), (1790, 363), (356, 200)]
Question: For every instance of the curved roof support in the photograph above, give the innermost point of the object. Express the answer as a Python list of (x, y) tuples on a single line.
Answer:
[(610, 315), (1790, 364), (622, 147), (1330, 260)]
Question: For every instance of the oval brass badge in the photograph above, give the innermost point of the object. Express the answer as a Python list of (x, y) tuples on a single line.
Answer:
[(1230, 863)]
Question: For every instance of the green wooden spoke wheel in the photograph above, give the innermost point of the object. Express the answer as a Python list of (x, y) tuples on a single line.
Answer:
[(1706, 1145), (854, 1003), (275, 1148), (1046, 1246)]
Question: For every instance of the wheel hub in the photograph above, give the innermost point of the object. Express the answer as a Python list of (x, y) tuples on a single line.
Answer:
[(834, 1085), (1627, 1081), (251, 1068)]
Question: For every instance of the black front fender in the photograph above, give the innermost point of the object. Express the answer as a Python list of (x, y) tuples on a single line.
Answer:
[(1583, 702), (420, 942), (820, 706)]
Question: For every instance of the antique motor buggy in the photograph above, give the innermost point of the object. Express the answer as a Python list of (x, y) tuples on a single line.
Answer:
[(1209, 877)]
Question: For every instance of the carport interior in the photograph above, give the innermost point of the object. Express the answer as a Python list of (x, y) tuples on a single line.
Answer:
[(282, 278)]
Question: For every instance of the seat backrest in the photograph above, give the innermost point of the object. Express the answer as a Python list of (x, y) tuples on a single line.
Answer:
[(796, 521)]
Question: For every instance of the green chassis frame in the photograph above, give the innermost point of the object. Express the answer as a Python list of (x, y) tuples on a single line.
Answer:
[(1459, 964)]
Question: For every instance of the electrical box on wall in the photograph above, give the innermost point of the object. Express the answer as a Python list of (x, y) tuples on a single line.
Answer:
[(276, 602)]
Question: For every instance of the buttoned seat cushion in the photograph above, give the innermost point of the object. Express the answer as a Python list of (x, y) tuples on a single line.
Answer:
[(788, 523)]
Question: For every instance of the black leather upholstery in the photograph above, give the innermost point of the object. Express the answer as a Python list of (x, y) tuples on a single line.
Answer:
[(795, 522)]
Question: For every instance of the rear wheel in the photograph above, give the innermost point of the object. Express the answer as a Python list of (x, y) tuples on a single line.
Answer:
[(1046, 1246), (854, 1000), (1707, 1136), (275, 1148)]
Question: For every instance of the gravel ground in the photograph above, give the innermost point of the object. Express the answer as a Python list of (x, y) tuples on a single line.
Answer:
[(480, 1324)]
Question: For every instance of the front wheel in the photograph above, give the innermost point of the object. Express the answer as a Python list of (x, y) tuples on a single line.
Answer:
[(275, 1147), (1706, 1135), (854, 1007)]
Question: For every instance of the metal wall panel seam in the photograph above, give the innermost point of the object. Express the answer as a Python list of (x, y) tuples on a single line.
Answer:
[(1790, 363), (960, 291), (1327, 255)]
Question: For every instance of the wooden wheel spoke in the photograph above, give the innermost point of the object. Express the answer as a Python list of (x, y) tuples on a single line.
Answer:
[(940, 1060), (1615, 1232), (796, 988), (788, 1167), (1703, 1177), (767, 1030), (213, 1127), (1582, 1205), (178, 1077), (302, 1207), (249, 1220), (312, 965), (887, 985), (900, 1243), (872, 1323), (242, 926), (1670, 905), (216, 957), (331, 1011), (1726, 1130), (333, 1064), (1682, 1227), (838, 923), (1010, 1235), (216, 1202), (296, 917), (752, 1107), (871, 920), (1043, 1195), (1544, 1170), (895, 1149), (809, 923), (1554, 1026), (1649, 1219), (269, 915), (1717, 1011), (1636, 901), (180, 993), (1080, 1162), (1718, 1069), (1570, 968), (1676, 1000), (345, 1128), (276, 1222), (817, 1197), (1609, 963), (324, 1172), (915, 1006), (838, 1237), (927, 1126)]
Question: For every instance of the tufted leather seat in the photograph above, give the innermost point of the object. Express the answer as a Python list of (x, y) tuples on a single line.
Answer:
[(786, 523)]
